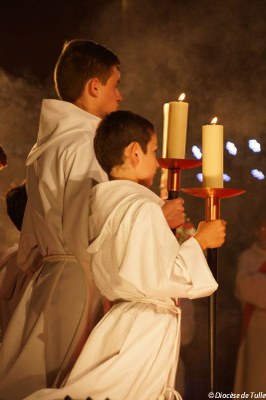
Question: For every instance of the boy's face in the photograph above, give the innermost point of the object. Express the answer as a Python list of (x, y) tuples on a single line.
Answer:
[(148, 163), (109, 94)]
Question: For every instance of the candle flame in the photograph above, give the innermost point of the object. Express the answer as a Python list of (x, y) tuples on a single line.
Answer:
[(181, 97), (214, 120)]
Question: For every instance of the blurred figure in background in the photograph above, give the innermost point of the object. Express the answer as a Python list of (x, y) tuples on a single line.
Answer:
[(251, 291), (12, 279), (3, 160)]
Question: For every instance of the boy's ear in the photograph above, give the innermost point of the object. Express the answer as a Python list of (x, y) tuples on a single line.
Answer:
[(92, 87), (132, 151)]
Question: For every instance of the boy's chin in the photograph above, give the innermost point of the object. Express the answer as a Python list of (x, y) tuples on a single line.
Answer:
[(146, 182)]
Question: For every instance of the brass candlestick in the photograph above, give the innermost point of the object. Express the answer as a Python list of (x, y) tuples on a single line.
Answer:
[(212, 212), (174, 167)]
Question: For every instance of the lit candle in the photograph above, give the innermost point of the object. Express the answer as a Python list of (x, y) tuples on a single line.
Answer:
[(212, 155), (177, 128)]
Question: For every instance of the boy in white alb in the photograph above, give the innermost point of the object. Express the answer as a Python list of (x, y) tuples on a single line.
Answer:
[(138, 264)]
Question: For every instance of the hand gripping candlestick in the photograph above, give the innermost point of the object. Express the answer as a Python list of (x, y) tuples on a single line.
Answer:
[(212, 168)]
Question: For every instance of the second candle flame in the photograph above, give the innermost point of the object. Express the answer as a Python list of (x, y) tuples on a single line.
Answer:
[(181, 97), (214, 120)]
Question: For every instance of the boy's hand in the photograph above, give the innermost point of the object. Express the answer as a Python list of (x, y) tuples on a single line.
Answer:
[(211, 234), (174, 212)]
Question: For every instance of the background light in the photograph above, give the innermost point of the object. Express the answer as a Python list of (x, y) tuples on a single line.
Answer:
[(231, 148), (227, 178), (257, 174), (197, 152), (199, 177), (254, 145)]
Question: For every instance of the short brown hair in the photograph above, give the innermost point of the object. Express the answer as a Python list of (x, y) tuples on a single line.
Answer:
[(115, 132), (79, 61)]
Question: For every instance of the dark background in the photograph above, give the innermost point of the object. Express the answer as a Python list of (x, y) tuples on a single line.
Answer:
[(214, 51)]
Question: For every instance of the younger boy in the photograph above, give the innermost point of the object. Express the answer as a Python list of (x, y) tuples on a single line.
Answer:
[(138, 264)]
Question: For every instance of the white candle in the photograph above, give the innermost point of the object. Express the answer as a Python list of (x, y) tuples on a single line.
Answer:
[(212, 155), (177, 129)]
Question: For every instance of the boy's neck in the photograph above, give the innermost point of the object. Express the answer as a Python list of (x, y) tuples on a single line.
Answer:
[(124, 172)]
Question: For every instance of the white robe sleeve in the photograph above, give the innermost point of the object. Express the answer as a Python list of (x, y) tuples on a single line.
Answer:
[(155, 264)]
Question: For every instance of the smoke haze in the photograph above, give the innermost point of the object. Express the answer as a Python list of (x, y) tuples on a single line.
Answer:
[(20, 102), (215, 52)]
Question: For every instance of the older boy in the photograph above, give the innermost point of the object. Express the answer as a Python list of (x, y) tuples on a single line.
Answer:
[(59, 309), (138, 264), (61, 305)]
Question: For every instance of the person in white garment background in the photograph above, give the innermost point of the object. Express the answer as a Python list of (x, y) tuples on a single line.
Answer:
[(251, 291), (61, 304), (12, 279), (3, 159), (138, 264)]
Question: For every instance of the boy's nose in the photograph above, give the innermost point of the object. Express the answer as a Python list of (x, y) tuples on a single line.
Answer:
[(119, 96)]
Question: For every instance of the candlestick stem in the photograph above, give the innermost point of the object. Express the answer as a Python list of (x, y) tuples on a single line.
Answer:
[(212, 212), (212, 208), (212, 259), (173, 182)]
